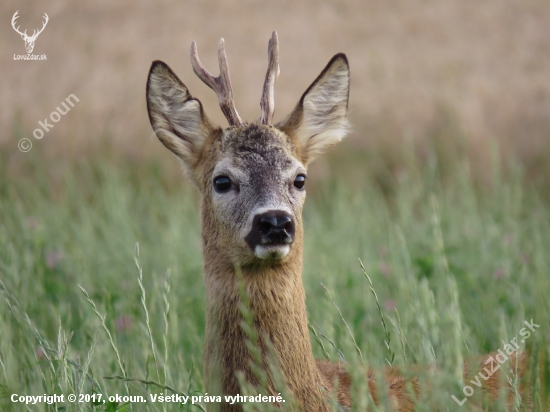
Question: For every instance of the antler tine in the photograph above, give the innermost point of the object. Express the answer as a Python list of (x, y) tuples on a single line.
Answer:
[(221, 84), (199, 69), (14, 18), (268, 95), (13, 23), (46, 19)]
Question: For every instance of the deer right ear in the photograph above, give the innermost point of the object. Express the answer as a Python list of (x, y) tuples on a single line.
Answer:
[(177, 118), (319, 120)]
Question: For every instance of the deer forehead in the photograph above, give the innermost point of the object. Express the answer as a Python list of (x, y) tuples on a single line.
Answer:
[(257, 153)]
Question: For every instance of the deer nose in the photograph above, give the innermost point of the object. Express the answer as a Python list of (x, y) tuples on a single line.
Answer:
[(274, 227), (274, 223)]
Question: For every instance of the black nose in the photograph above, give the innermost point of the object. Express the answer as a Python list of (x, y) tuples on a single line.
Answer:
[(275, 223), (271, 228)]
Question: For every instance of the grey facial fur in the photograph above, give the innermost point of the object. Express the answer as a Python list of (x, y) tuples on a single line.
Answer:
[(260, 163)]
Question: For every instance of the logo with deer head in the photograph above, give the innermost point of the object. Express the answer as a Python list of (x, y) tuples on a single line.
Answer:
[(29, 40)]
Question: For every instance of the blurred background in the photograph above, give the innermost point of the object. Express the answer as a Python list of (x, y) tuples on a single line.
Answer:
[(456, 76)]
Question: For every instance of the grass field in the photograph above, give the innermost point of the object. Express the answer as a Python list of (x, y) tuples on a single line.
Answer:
[(457, 267)]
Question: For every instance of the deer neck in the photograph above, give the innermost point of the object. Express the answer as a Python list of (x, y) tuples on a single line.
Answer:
[(277, 302)]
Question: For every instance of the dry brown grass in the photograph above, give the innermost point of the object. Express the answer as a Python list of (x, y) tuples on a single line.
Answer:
[(417, 67)]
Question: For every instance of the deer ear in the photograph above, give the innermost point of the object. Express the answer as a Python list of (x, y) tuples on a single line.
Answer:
[(177, 118), (319, 120)]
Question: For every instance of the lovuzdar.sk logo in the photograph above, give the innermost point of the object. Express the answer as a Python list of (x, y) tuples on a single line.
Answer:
[(29, 40)]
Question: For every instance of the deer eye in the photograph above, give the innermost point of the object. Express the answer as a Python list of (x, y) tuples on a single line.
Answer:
[(222, 184), (300, 181)]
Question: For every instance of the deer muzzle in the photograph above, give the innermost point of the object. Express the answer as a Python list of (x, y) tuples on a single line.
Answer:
[(272, 234)]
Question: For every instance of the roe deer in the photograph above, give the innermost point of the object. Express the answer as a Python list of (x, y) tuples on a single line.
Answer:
[(251, 178)]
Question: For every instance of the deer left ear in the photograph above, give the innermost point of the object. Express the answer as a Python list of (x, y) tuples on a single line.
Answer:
[(319, 120), (177, 118)]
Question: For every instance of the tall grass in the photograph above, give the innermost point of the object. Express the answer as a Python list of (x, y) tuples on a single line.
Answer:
[(456, 271)]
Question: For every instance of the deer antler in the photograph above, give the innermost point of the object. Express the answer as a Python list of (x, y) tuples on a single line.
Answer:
[(15, 17), (37, 32), (221, 84), (268, 95)]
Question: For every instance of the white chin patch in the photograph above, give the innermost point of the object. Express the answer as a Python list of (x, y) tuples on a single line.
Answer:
[(271, 252)]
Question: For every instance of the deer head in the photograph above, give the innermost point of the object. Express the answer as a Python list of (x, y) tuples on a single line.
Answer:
[(29, 40), (251, 176)]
